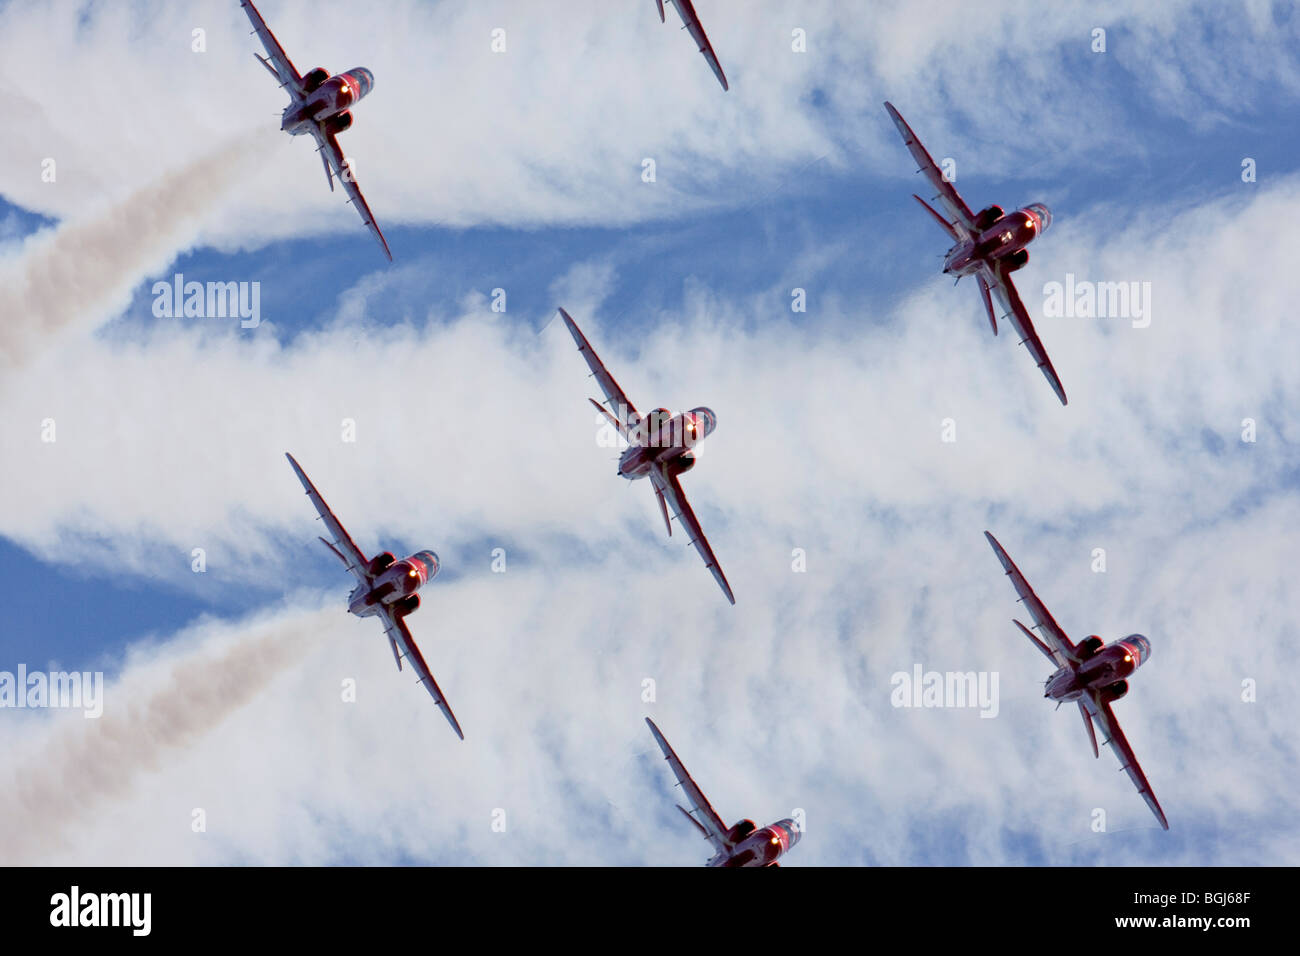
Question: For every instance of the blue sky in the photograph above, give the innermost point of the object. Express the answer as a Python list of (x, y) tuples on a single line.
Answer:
[(475, 432)]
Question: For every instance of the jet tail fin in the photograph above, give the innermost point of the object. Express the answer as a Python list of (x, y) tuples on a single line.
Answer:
[(694, 822), (1092, 734), (988, 303), (944, 224)]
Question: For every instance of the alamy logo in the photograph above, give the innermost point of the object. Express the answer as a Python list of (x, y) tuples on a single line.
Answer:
[(1084, 299), (68, 689), (215, 300), (922, 688), (102, 909)]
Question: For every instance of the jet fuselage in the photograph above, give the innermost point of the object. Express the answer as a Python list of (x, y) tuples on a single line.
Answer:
[(330, 98), (663, 437), (760, 847), (395, 582), (1001, 238), (1107, 667)]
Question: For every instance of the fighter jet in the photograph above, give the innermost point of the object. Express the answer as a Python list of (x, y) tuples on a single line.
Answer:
[(385, 589), (989, 245), (320, 105), (691, 22), (739, 845), (659, 447), (1093, 674)]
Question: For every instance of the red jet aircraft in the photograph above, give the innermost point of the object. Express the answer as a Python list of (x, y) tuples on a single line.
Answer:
[(738, 845), (386, 588), (320, 106), (691, 22), (989, 245), (1093, 673), (659, 448)]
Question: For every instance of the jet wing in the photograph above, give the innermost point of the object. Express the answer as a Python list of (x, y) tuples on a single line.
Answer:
[(1000, 285), (947, 194), (1100, 712), (686, 10), (705, 816), (1058, 644), (279, 64), (403, 642), (626, 416), (671, 491), (334, 161), (343, 546)]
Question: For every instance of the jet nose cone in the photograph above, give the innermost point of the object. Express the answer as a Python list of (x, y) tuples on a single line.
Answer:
[(1141, 645), (1042, 214), (429, 561), (792, 831), (706, 418)]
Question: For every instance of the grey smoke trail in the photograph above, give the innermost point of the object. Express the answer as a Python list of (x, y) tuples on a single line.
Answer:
[(86, 763), (86, 270)]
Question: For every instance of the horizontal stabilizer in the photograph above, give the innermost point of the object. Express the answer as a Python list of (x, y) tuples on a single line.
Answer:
[(988, 303), (1037, 643), (1092, 734), (607, 413), (269, 68), (329, 173), (944, 224), (337, 553), (663, 508), (694, 822)]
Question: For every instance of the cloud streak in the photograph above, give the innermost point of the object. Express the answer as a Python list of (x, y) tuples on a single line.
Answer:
[(83, 271), (155, 711)]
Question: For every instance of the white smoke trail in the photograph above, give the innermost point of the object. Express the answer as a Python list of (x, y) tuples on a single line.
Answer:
[(86, 270), (82, 764)]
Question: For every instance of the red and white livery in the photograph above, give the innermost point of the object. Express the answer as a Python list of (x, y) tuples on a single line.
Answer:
[(989, 245), (1092, 673), (741, 844), (691, 23), (659, 448), (386, 589), (321, 106)]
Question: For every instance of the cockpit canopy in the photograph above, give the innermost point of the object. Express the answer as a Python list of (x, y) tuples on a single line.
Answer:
[(359, 80), (430, 561), (1139, 644), (1042, 214)]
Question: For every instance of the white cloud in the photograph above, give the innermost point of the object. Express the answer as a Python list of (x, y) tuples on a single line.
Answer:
[(828, 440), (555, 129)]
